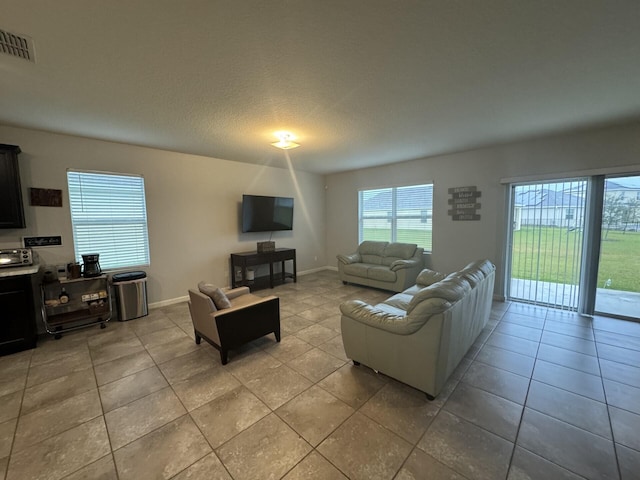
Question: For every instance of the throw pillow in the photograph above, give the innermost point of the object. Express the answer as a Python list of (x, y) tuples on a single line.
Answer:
[(219, 298), (207, 288)]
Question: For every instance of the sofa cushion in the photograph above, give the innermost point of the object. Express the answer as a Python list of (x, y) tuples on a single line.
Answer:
[(428, 277), (356, 269), (391, 310), (412, 290), (372, 252), (398, 251), (381, 273), (219, 298), (399, 300), (485, 266), (451, 289), (397, 254), (428, 307), (472, 275)]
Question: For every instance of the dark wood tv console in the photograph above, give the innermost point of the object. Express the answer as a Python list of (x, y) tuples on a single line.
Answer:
[(240, 262)]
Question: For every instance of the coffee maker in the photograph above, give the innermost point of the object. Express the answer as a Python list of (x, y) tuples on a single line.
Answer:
[(91, 265)]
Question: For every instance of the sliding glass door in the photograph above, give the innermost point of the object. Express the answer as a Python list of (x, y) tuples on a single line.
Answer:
[(575, 245), (618, 288), (546, 242)]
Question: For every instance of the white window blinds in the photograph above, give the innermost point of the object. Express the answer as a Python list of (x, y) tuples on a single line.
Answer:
[(109, 217), (397, 214)]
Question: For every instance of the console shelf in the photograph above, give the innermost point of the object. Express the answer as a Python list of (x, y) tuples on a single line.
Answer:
[(89, 304), (240, 262)]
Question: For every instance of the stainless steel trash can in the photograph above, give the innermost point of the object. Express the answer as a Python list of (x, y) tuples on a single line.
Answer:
[(130, 294)]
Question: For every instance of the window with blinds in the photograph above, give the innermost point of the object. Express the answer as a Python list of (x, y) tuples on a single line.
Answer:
[(397, 214), (109, 217)]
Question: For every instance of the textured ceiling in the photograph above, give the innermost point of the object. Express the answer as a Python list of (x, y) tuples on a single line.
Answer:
[(359, 82)]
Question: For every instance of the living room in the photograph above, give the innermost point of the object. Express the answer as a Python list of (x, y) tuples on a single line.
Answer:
[(197, 170), (194, 211)]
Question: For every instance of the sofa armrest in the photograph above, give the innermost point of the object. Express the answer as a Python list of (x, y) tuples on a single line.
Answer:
[(400, 264), (235, 292), (347, 259), (374, 316)]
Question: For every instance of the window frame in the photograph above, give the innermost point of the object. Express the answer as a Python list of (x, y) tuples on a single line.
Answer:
[(393, 215), (108, 211)]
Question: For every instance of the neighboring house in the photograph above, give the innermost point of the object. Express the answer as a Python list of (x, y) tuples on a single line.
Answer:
[(414, 207), (622, 205), (537, 205), (627, 193), (540, 205)]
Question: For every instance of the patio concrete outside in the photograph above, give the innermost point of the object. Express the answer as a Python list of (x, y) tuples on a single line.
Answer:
[(608, 301)]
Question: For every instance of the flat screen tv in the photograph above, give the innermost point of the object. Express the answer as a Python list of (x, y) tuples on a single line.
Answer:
[(266, 214)]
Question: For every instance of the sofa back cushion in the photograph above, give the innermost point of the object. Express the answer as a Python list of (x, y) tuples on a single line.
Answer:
[(399, 300), (485, 266), (372, 252), (398, 251), (428, 277), (476, 271), (450, 290)]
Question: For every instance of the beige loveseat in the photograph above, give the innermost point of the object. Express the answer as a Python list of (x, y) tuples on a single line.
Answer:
[(420, 335), (389, 266)]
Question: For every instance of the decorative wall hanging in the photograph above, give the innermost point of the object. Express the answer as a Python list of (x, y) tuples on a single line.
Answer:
[(43, 241), (464, 203), (46, 197)]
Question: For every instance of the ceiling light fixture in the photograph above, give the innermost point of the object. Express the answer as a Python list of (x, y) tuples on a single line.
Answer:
[(285, 142)]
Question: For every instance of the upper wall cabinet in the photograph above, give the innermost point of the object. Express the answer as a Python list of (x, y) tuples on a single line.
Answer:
[(11, 209)]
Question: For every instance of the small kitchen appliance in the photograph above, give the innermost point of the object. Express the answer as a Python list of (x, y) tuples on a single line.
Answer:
[(17, 257), (91, 265)]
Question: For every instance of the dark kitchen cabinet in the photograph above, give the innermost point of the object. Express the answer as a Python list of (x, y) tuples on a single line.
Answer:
[(11, 209), (17, 314)]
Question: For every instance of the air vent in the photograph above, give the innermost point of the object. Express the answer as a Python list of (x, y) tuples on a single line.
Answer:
[(19, 46)]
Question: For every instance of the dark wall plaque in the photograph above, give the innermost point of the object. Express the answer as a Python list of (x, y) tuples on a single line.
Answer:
[(50, 241), (46, 197)]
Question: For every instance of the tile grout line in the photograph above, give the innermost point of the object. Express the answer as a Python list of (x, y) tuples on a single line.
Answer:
[(524, 405), (604, 391), (104, 419)]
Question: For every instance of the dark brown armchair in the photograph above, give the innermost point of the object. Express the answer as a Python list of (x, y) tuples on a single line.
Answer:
[(249, 318)]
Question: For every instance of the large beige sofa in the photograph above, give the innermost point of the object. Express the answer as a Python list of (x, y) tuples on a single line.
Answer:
[(420, 335), (384, 265)]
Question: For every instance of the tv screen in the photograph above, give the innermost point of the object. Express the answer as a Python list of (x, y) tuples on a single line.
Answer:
[(266, 214)]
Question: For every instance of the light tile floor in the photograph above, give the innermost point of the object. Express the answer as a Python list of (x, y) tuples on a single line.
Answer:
[(542, 395)]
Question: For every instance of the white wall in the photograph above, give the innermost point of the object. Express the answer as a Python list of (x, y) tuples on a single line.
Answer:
[(456, 243), (192, 206)]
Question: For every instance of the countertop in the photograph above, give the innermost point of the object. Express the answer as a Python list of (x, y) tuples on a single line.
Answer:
[(16, 271)]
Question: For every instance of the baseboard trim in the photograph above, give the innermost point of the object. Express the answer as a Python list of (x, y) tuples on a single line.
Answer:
[(173, 301), (313, 270), (166, 303)]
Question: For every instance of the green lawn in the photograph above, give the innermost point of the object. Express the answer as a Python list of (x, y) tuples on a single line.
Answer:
[(560, 255), (560, 250)]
